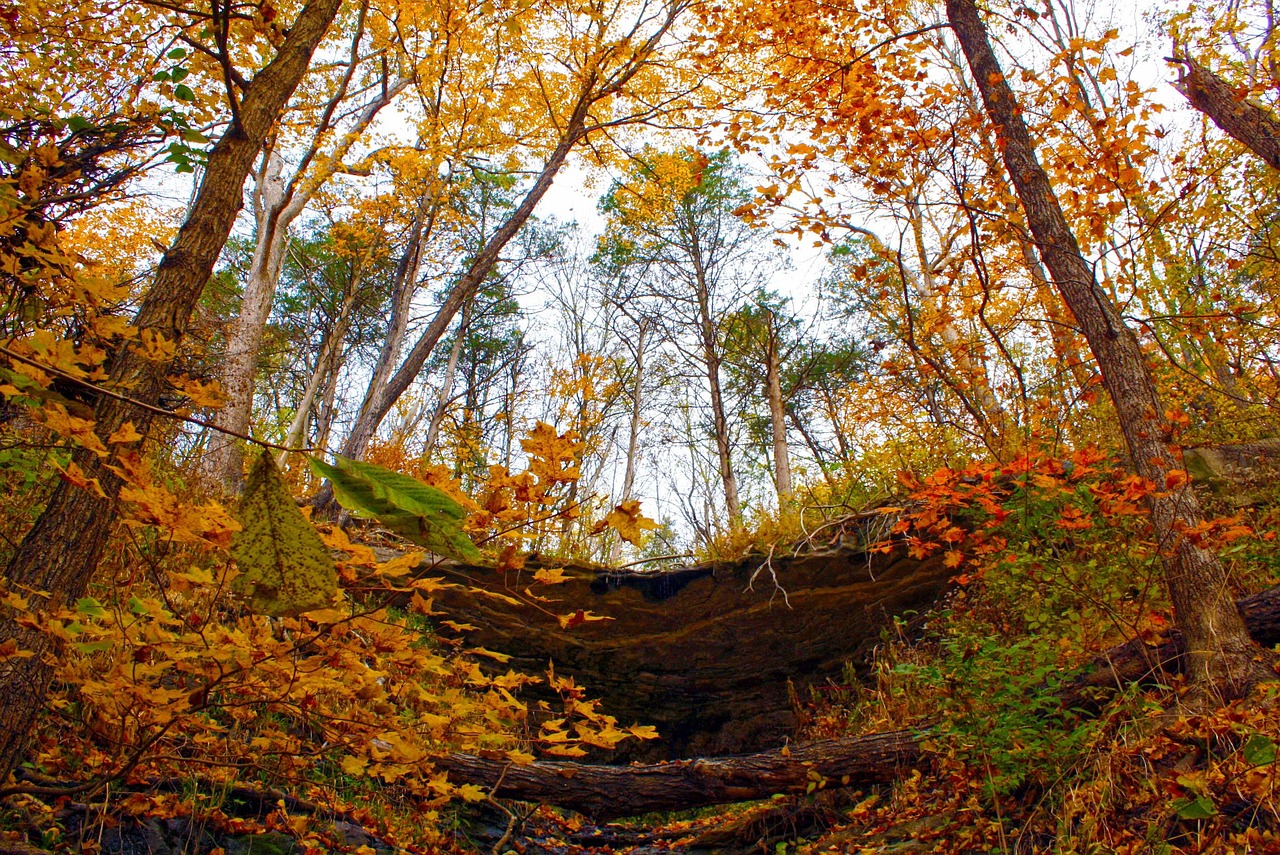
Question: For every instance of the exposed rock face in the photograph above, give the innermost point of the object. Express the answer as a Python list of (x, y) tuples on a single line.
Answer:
[(702, 652), (1241, 474)]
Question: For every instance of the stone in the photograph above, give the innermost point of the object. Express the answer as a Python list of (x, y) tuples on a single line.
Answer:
[(705, 653)]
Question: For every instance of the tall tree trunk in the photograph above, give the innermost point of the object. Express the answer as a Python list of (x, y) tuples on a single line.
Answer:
[(61, 551), (719, 419), (1254, 127), (777, 414), (278, 203), (223, 459), (326, 364), (446, 386), (633, 433), (1220, 652)]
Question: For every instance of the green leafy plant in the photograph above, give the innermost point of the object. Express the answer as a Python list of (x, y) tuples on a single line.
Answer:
[(419, 512)]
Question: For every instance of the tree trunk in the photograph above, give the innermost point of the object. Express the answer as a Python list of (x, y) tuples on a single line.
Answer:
[(633, 435), (62, 550), (326, 365), (1252, 126), (446, 387), (777, 414), (223, 460), (1221, 654), (380, 400), (709, 340), (607, 792)]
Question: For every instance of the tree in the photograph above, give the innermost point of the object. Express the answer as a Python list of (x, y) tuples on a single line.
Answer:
[(615, 55), (673, 217), (761, 343), (278, 200), (61, 551), (1220, 651)]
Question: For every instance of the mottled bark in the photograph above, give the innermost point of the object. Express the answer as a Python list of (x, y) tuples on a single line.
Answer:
[(1221, 654), (61, 551), (1255, 127)]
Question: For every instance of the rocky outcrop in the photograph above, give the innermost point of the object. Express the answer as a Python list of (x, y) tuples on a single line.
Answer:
[(705, 653)]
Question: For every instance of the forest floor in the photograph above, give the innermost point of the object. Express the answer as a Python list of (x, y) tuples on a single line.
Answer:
[(1053, 568)]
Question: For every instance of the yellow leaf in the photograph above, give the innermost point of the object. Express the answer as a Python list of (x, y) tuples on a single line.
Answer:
[(354, 765), (551, 576), (627, 521), (125, 433), (490, 654), (401, 565), (472, 793), (573, 619)]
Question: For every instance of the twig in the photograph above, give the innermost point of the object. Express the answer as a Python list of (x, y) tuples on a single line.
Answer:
[(659, 558), (511, 816), (143, 405)]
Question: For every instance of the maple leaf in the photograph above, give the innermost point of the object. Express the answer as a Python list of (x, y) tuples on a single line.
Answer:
[(551, 576), (125, 433), (578, 618), (554, 455), (627, 521), (284, 567)]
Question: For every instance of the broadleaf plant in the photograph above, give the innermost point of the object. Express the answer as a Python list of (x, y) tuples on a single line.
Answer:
[(284, 568), (416, 511)]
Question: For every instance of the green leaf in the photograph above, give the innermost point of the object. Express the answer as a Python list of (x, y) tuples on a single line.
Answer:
[(183, 93), (89, 607), (416, 511), (177, 74), (78, 123), (177, 53), (1195, 807), (284, 568), (1259, 750), (94, 646)]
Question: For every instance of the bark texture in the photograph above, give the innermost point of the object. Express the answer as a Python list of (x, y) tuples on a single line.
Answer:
[(1254, 127), (62, 550), (1221, 654), (607, 792)]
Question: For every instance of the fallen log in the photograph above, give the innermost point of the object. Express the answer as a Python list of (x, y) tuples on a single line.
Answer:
[(1139, 662), (608, 792)]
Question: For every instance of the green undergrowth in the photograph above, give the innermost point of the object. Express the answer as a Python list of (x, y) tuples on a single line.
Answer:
[(1055, 564)]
